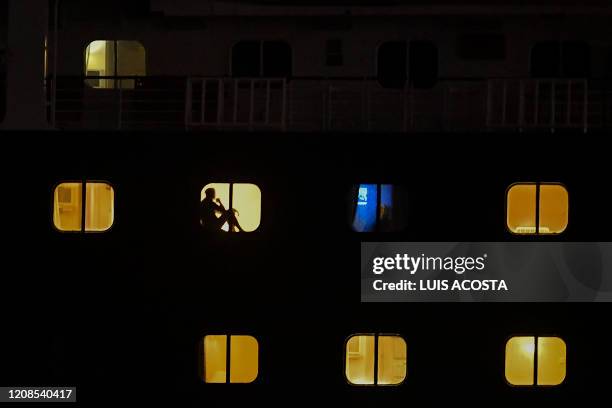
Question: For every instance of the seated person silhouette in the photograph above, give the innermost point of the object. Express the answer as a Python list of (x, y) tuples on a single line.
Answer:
[(210, 207)]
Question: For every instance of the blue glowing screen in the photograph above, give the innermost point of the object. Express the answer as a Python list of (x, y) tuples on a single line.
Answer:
[(365, 211)]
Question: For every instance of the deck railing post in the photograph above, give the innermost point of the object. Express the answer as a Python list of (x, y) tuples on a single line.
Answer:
[(220, 101), (251, 102)]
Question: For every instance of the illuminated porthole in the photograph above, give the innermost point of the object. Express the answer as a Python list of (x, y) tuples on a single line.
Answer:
[(534, 360), (373, 359), (90, 201), (537, 208), (230, 207), (243, 353), (377, 207)]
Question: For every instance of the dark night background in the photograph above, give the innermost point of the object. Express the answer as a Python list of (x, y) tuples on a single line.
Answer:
[(121, 315), (125, 310)]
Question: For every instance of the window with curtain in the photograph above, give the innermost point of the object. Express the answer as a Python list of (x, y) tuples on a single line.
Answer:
[(83, 206), (375, 359)]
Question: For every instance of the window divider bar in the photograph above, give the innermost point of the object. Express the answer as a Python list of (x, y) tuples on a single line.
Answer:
[(537, 212), (83, 203), (378, 193), (228, 359), (231, 203), (376, 359), (115, 43), (535, 360)]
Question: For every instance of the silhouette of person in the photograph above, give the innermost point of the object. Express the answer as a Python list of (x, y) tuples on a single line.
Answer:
[(210, 206)]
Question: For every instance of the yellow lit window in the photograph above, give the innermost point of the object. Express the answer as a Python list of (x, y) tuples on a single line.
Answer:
[(537, 208), (243, 352), (535, 361), (230, 207), (374, 359), (107, 59), (69, 212)]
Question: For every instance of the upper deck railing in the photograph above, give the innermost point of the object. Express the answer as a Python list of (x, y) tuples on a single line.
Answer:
[(329, 104)]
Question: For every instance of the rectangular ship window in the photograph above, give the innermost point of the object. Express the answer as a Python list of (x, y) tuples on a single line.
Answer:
[(98, 209), (243, 359), (525, 353), (106, 59), (389, 351), (377, 207), (230, 207), (537, 208)]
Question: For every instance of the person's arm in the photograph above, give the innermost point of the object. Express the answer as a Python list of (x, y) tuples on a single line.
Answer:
[(219, 205)]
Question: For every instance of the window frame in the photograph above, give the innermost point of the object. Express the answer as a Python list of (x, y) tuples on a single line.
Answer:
[(377, 209), (230, 205), (409, 82), (353, 199), (228, 358), (261, 56), (535, 384), (375, 363), (538, 184), (83, 183), (116, 84)]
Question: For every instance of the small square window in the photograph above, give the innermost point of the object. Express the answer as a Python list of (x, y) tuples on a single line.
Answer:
[(537, 208), (243, 359), (377, 207), (535, 361), (230, 207), (106, 59), (389, 351), (69, 212)]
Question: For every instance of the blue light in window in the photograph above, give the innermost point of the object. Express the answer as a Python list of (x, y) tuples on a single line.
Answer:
[(386, 203), (365, 211)]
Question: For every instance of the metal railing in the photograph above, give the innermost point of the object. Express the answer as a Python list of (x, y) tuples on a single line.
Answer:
[(118, 103), (324, 104), (236, 103), (538, 103)]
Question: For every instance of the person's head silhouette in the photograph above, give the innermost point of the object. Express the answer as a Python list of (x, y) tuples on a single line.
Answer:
[(209, 193)]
